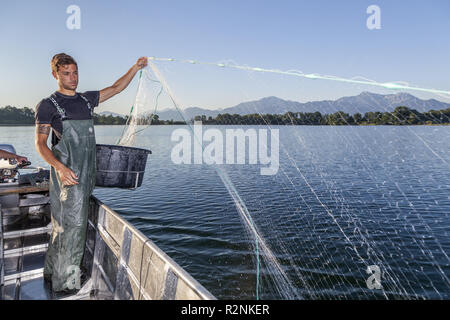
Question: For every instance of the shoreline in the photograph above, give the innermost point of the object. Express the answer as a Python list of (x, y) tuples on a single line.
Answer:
[(252, 125)]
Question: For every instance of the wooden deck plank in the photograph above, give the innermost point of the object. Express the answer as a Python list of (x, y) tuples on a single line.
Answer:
[(23, 189)]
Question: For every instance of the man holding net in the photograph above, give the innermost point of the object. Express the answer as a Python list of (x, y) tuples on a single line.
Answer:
[(73, 165)]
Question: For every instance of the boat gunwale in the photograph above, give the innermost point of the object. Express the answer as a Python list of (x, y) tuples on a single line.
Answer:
[(175, 267)]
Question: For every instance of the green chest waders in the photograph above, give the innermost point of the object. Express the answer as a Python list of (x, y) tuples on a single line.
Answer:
[(70, 204)]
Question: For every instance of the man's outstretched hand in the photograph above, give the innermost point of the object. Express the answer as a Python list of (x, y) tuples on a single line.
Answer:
[(141, 63)]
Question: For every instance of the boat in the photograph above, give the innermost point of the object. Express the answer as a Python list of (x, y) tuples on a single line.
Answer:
[(119, 261)]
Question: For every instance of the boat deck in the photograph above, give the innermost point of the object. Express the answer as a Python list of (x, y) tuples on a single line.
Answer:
[(24, 246), (120, 262)]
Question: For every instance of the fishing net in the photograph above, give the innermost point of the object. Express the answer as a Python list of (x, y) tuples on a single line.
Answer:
[(351, 212), (144, 109)]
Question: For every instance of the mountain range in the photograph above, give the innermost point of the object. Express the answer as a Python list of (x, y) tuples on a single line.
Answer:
[(362, 103)]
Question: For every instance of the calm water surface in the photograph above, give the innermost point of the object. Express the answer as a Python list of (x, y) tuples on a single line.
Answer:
[(345, 198)]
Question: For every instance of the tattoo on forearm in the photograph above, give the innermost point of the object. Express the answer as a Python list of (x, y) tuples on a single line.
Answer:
[(43, 129)]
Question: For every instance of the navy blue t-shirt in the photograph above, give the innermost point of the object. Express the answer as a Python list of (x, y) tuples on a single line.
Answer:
[(75, 108)]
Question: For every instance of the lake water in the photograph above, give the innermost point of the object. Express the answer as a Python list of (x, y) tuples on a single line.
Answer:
[(344, 199)]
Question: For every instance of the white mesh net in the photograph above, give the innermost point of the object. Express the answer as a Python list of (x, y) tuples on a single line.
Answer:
[(368, 200)]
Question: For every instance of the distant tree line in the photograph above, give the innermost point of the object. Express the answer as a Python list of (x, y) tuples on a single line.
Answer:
[(13, 116), (25, 116), (109, 120), (153, 119), (400, 116)]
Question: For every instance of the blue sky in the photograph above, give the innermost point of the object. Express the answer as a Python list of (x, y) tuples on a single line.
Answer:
[(325, 37)]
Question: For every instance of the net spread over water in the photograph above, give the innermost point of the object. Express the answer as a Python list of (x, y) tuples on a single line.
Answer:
[(383, 240)]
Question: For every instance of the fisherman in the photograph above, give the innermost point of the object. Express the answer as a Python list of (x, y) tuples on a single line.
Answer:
[(8, 155), (69, 114)]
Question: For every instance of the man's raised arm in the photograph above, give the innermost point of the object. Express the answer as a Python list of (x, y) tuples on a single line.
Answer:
[(123, 82)]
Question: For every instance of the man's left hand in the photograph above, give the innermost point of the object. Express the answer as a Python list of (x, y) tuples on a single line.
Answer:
[(141, 63)]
